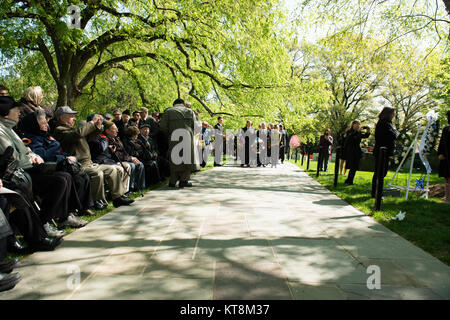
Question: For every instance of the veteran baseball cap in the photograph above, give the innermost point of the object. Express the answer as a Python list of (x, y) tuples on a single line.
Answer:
[(64, 110)]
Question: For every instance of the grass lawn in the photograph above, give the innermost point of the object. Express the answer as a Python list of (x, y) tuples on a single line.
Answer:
[(427, 222)]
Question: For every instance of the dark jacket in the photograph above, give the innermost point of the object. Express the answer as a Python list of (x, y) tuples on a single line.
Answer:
[(100, 151), (154, 126), (341, 143), (46, 146), (134, 148), (5, 228), (284, 139), (121, 153), (219, 128), (40, 142), (385, 135), (444, 149), (444, 143), (352, 146), (148, 150), (121, 126), (325, 144), (134, 123)]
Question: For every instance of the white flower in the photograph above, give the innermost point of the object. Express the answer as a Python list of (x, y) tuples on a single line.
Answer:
[(400, 216)]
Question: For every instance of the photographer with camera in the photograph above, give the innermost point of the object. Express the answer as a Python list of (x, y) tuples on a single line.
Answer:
[(75, 141), (352, 148), (325, 143)]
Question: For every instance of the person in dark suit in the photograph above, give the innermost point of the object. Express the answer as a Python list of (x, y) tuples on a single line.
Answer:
[(247, 141), (352, 148), (444, 157), (283, 142), (325, 143), (122, 124), (219, 142), (385, 135)]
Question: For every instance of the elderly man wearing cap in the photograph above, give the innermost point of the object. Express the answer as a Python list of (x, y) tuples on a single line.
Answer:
[(74, 141), (108, 149)]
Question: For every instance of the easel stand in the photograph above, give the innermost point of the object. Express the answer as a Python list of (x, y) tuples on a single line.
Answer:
[(412, 148)]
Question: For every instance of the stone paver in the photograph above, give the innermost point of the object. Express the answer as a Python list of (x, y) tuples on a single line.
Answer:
[(239, 233)]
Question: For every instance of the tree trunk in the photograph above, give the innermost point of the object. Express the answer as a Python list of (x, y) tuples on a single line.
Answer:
[(447, 6), (67, 94)]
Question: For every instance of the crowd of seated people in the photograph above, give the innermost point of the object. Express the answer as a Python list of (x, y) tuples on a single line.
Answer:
[(60, 168), (55, 168)]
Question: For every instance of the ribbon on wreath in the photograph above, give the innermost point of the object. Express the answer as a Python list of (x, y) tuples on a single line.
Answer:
[(420, 184)]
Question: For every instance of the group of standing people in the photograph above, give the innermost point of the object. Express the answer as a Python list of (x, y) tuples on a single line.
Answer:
[(268, 142), (350, 149), (385, 136), (350, 153)]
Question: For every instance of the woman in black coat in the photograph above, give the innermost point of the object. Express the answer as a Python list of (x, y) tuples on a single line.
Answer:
[(385, 135), (444, 157), (352, 149), (341, 144)]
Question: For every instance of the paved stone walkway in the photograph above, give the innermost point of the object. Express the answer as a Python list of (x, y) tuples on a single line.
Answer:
[(240, 233)]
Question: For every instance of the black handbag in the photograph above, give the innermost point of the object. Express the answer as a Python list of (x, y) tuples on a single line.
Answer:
[(69, 166), (19, 181)]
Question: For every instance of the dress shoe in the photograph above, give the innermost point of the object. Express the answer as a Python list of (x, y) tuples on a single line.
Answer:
[(104, 204), (9, 281), (88, 212), (98, 205), (217, 165), (52, 231), (73, 222), (121, 202), (8, 265), (14, 246), (185, 184), (46, 244)]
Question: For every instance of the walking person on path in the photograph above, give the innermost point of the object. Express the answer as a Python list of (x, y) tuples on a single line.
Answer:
[(181, 117)]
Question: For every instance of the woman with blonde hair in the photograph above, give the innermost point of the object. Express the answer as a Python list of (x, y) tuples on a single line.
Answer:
[(31, 100)]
